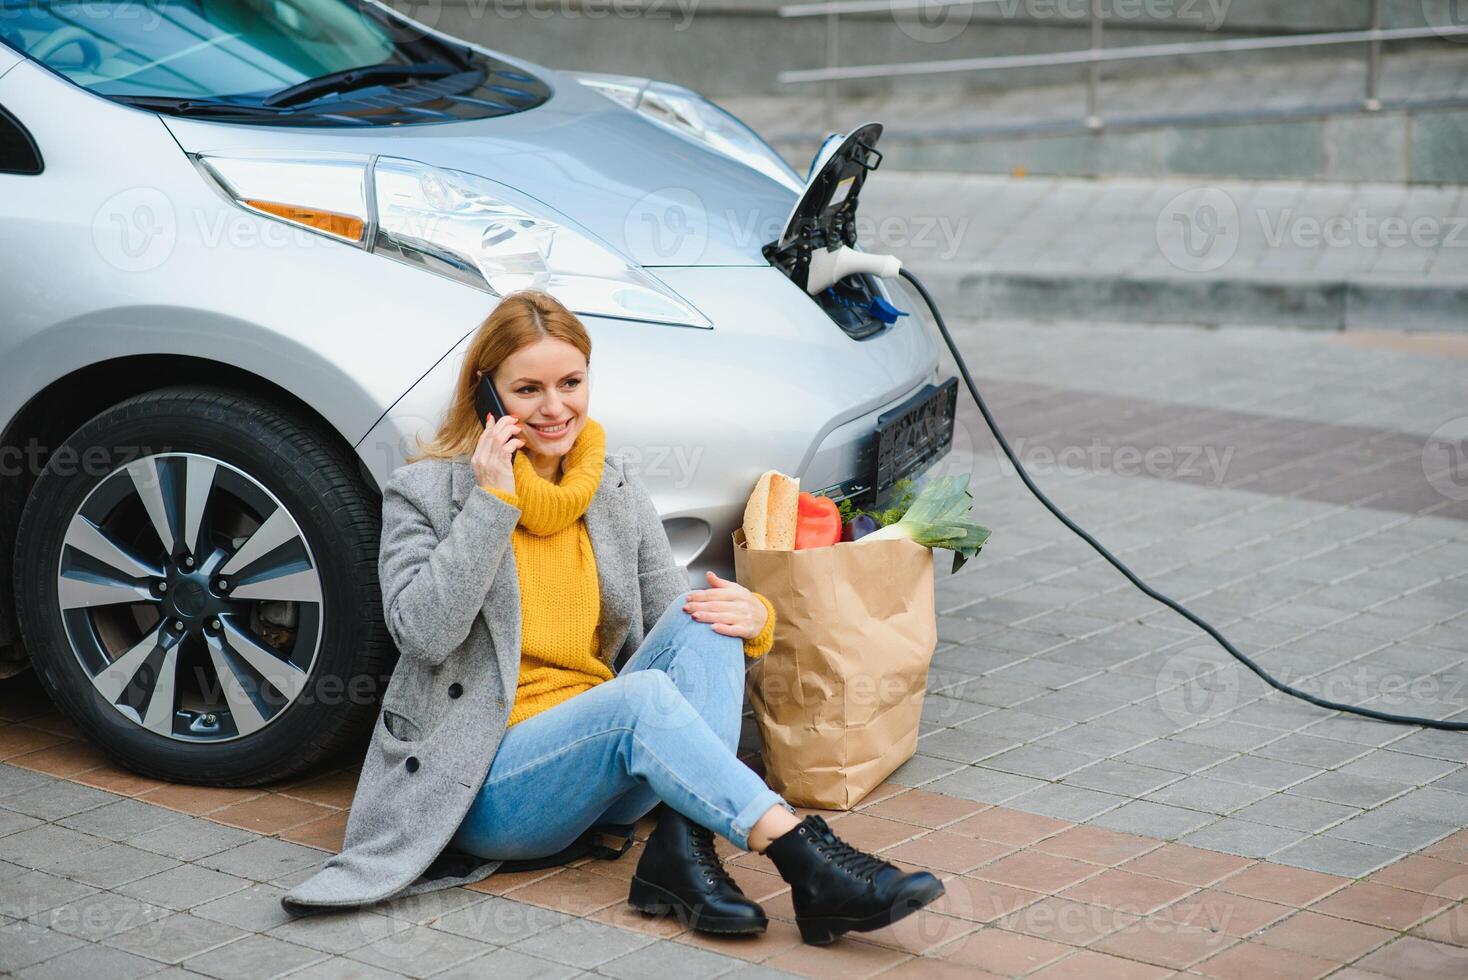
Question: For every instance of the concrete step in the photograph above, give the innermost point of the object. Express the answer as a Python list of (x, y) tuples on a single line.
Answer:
[(1329, 256), (1300, 120)]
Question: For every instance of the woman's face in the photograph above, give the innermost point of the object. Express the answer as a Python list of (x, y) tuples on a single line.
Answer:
[(545, 386)]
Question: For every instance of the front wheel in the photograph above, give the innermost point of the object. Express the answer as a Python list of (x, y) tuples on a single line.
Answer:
[(196, 579)]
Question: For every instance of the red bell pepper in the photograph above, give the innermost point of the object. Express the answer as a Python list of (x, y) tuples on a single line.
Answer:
[(817, 521)]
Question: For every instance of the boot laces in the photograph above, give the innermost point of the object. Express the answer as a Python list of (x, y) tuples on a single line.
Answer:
[(702, 840), (856, 862)]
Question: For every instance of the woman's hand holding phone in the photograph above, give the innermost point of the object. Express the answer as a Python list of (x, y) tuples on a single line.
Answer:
[(493, 457)]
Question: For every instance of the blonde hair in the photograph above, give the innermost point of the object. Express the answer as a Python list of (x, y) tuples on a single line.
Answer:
[(520, 319)]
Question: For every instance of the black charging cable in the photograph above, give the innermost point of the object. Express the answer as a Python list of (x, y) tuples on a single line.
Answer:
[(1100, 549)]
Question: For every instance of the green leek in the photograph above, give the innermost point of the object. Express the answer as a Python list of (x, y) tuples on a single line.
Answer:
[(938, 518)]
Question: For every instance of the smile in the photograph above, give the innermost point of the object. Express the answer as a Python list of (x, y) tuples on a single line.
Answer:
[(551, 430)]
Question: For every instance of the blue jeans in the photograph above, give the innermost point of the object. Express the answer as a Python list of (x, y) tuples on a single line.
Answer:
[(665, 728)]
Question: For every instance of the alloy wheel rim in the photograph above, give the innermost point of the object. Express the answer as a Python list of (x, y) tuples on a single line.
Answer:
[(190, 597)]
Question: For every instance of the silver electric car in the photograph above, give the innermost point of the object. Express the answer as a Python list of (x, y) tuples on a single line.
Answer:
[(243, 244)]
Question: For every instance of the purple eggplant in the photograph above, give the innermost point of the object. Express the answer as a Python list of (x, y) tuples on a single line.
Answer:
[(859, 526)]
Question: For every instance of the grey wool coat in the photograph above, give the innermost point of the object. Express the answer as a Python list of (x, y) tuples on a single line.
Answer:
[(451, 598)]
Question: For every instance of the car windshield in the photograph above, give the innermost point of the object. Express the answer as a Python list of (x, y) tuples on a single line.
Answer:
[(207, 49)]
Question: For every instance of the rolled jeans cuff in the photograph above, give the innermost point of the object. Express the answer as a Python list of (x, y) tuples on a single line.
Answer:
[(745, 819)]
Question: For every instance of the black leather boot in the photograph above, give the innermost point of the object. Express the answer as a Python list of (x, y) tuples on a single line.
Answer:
[(680, 872), (836, 888)]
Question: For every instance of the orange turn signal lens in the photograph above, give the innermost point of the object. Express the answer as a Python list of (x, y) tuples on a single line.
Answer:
[(342, 226)]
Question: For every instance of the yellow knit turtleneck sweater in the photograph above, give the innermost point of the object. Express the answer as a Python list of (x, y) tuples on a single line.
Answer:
[(560, 596)]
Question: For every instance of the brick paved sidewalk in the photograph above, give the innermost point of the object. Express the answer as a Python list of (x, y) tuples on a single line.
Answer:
[(1332, 551), (93, 883), (1104, 793)]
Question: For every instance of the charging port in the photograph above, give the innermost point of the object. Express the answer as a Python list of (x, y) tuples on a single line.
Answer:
[(849, 305)]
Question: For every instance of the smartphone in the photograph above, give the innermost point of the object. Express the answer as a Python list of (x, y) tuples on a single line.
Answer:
[(487, 401)]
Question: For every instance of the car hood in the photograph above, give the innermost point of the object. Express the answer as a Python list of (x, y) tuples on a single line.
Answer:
[(658, 198)]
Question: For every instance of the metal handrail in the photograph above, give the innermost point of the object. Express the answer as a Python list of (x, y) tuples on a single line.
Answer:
[(1131, 53), (869, 6), (832, 10), (1094, 56)]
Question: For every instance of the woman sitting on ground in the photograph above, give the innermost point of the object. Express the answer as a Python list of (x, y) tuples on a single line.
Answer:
[(519, 563)]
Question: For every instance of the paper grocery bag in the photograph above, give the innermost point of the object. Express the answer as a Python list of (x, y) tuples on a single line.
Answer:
[(838, 696)]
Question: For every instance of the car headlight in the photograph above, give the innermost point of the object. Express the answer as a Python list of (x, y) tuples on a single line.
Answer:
[(692, 116), (448, 222)]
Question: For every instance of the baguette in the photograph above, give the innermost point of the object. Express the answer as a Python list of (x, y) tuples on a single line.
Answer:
[(770, 513)]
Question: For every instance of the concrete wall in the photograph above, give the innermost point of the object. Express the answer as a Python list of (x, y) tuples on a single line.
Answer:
[(1420, 146), (724, 48)]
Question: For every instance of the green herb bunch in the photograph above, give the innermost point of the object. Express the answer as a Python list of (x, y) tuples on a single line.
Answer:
[(905, 491)]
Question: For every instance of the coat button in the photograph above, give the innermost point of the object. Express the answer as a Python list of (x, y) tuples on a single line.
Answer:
[(411, 763), (455, 689)]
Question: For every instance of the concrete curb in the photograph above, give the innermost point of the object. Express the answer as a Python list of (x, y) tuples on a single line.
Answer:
[(1324, 304)]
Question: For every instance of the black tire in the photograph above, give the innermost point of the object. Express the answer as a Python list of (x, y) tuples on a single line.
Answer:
[(235, 438)]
